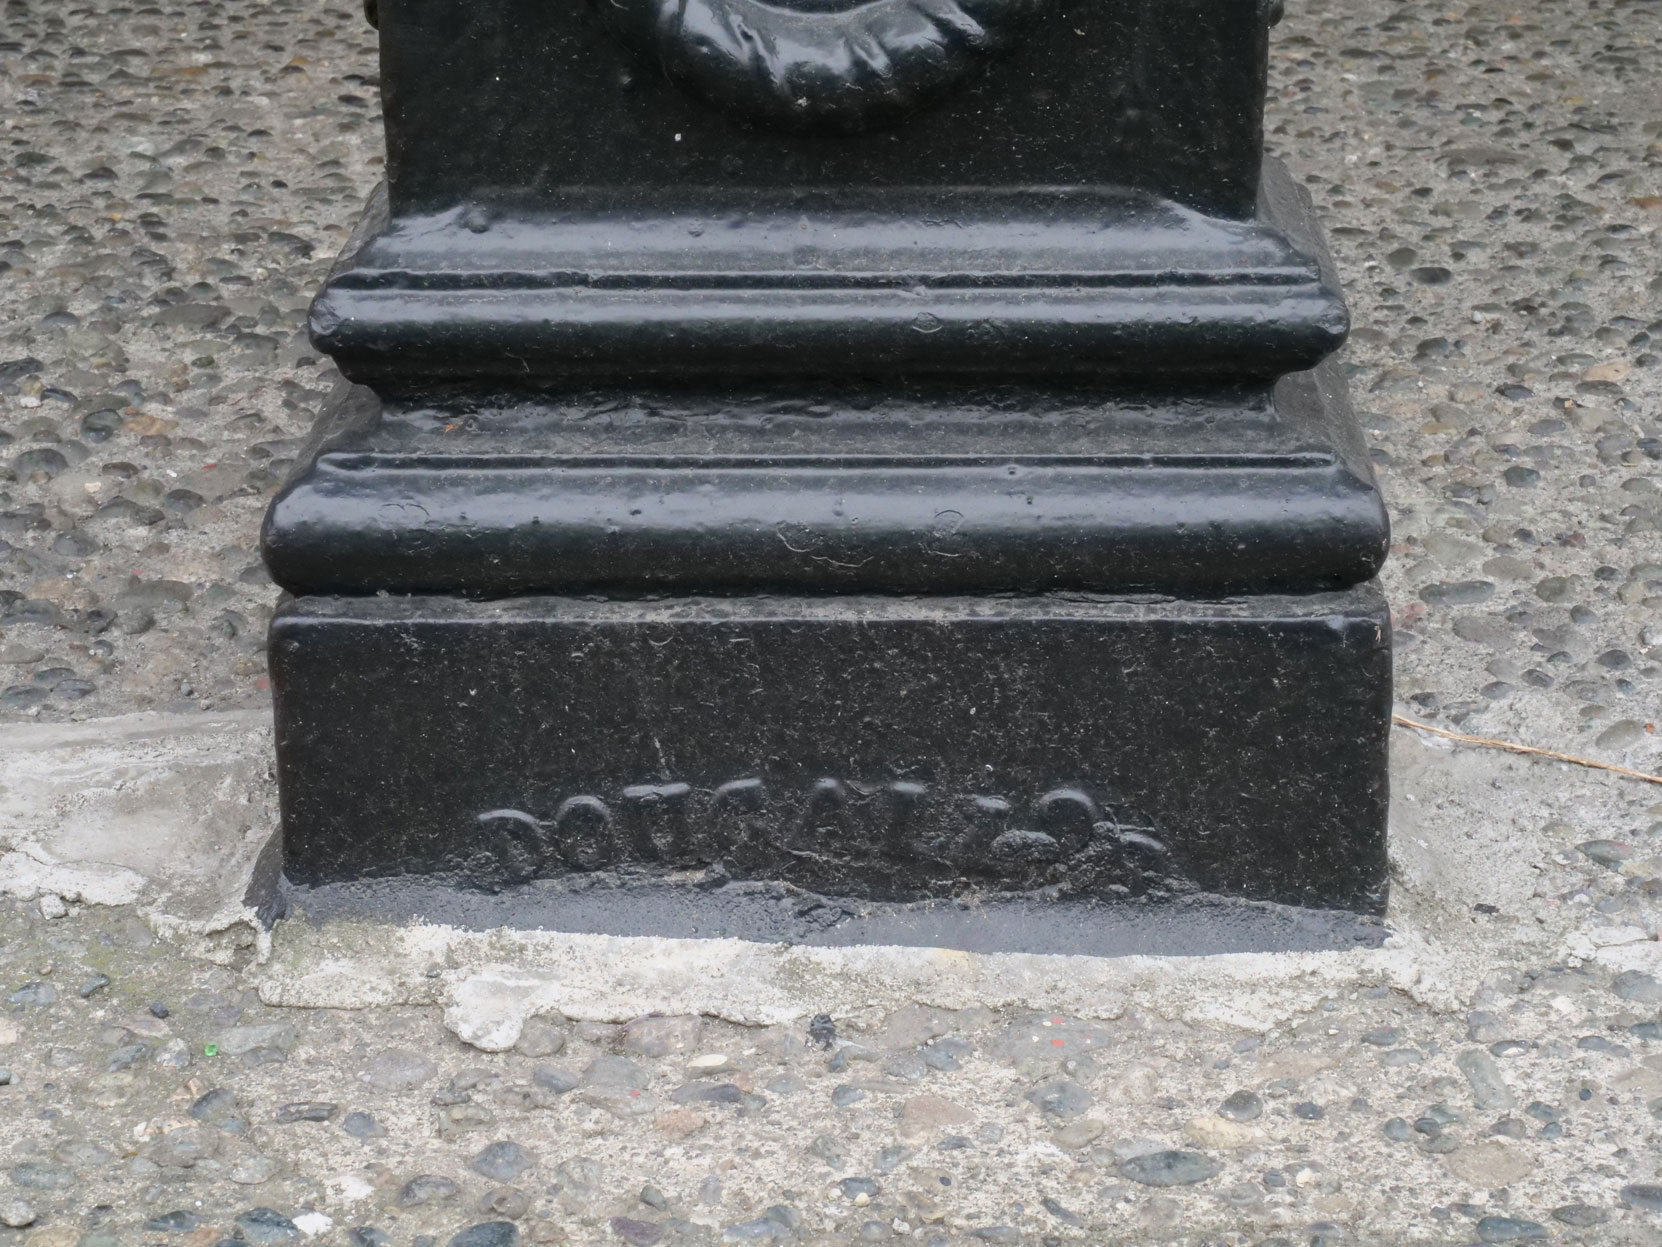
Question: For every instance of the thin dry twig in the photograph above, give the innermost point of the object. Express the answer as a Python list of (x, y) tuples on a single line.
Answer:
[(1487, 742)]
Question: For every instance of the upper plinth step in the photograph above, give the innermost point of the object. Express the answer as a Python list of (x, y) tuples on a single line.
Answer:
[(691, 285)]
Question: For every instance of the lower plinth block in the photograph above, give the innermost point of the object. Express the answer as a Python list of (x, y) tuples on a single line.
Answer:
[(1056, 773)]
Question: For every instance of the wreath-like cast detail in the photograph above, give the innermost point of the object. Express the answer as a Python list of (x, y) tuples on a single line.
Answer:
[(818, 66)]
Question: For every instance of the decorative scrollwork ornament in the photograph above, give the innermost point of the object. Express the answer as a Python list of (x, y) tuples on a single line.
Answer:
[(844, 65)]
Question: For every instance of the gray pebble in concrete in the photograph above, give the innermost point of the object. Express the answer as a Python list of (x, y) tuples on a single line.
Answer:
[(92, 985), (253, 1171), (1397, 1058), (219, 1108), (173, 1054), (179, 1221), (1489, 1089), (362, 1126), (1642, 1195), (34, 995), (1598, 1043), (126, 1056), (555, 1080), (488, 1234), (1169, 1168), (637, 1233), (702, 1092), (1062, 1097), (857, 1188), (828, 1149), (892, 1157), (398, 1069), (1581, 1216), (503, 1161), (1242, 1106), (1483, 1026), (615, 1071), (308, 1110), (541, 1037), (1609, 853), (662, 1036), (907, 1067), (425, 1189), (1637, 986), (1493, 1229), (266, 1226), (42, 1176), (507, 1202), (945, 1054), (761, 1230)]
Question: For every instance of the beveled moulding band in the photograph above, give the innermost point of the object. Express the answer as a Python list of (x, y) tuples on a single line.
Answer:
[(818, 64)]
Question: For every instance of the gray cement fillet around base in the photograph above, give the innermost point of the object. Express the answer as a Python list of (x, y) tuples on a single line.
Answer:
[(173, 813)]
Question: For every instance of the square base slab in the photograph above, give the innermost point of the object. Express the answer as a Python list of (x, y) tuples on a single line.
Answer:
[(917, 758)]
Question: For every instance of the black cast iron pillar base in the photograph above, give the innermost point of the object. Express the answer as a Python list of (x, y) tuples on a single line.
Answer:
[(1105, 754), (935, 526)]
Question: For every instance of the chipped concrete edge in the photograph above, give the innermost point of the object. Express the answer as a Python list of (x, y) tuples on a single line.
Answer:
[(490, 983), (169, 813), (176, 816)]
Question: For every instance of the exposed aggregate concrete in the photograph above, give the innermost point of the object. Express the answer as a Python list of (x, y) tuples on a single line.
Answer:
[(175, 178)]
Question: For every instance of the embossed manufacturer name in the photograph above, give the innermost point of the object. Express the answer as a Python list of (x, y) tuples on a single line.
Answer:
[(1064, 836)]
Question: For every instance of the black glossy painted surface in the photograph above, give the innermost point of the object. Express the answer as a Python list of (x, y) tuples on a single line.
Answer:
[(514, 103), (869, 747), (878, 451), (1210, 493), (736, 283), (840, 65), (703, 905)]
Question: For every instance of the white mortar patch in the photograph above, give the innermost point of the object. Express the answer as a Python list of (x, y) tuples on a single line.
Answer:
[(183, 803), (494, 981), (30, 872)]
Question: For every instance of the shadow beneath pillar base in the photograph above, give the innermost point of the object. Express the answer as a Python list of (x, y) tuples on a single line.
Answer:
[(687, 907)]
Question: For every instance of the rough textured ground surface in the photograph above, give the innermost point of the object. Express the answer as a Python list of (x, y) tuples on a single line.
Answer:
[(173, 181)]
